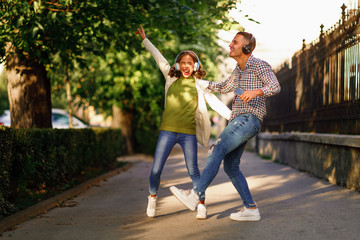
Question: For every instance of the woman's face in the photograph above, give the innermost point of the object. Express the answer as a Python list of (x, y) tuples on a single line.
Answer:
[(187, 66)]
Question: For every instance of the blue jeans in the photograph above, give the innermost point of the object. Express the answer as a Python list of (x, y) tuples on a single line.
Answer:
[(229, 147), (165, 144)]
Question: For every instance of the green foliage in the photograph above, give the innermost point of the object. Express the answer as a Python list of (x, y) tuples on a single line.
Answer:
[(4, 101), (37, 163), (63, 27)]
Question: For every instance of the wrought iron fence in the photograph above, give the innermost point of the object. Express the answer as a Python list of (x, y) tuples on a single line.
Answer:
[(321, 90)]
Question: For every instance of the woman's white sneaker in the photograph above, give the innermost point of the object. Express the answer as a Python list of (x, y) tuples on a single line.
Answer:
[(201, 211), (246, 214), (151, 207)]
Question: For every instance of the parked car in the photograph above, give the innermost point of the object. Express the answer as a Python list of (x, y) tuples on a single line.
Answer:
[(60, 119), (5, 118)]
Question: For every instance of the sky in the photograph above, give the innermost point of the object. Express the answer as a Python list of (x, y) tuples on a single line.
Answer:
[(284, 24)]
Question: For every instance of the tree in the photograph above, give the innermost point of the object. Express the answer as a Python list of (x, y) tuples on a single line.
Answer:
[(128, 88), (33, 31)]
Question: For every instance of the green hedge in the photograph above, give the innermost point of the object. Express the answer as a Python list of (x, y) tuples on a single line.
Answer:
[(38, 163)]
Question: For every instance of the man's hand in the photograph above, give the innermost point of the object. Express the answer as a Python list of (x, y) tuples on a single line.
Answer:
[(250, 94)]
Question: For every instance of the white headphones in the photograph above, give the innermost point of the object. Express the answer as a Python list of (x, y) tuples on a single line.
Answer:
[(196, 65)]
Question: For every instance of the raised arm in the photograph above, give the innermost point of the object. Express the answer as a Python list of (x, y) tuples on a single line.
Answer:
[(159, 58), (141, 31)]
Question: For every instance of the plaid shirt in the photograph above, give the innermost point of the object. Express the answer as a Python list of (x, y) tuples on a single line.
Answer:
[(256, 74)]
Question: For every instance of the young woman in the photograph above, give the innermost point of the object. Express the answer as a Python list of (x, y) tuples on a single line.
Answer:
[(185, 119)]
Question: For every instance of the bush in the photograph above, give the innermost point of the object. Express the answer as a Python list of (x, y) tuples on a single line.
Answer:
[(38, 163), (6, 208), (146, 141)]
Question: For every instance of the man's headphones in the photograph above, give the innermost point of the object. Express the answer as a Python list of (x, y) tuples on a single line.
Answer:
[(196, 65), (246, 48)]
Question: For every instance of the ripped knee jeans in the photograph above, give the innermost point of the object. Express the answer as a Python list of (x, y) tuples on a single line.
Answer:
[(229, 147)]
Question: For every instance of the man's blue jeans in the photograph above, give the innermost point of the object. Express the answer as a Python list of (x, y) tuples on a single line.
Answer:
[(165, 144), (229, 147)]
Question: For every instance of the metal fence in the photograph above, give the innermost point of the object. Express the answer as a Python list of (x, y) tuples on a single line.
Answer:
[(321, 85)]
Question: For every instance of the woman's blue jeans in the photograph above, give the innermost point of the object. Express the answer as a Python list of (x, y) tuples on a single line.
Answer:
[(229, 147), (165, 144)]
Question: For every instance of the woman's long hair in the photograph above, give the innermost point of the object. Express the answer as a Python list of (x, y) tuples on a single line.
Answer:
[(177, 73)]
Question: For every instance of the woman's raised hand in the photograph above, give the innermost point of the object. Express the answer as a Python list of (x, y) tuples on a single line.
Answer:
[(141, 32)]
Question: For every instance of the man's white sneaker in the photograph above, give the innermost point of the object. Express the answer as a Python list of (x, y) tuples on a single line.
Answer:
[(201, 211), (246, 214), (151, 207), (187, 197)]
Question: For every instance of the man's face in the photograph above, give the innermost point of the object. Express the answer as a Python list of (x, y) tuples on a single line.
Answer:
[(186, 66), (236, 46)]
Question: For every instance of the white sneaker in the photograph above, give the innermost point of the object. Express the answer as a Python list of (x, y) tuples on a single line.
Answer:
[(151, 207), (246, 214), (187, 197), (201, 211)]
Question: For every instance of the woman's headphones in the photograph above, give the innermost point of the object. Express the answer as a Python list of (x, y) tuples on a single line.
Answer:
[(246, 48), (196, 65)]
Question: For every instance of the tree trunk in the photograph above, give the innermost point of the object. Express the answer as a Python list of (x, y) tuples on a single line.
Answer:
[(29, 93), (124, 121), (69, 100)]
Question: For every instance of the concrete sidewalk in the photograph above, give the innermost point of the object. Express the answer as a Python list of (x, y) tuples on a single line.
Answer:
[(293, 205)]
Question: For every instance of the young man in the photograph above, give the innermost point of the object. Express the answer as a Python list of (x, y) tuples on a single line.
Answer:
[(253, 81)]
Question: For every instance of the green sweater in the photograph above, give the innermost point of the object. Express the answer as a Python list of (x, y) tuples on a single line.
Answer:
[(181, 104)]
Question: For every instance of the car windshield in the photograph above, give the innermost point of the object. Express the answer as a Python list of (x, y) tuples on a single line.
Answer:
[(60, 119)]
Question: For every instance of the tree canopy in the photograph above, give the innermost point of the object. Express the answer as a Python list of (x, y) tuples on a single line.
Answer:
[(69, 28)]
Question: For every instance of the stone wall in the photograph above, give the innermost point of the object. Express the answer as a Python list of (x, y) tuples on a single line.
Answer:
[(333, 157)]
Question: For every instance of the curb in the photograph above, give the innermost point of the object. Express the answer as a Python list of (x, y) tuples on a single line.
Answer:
[(11, 221)]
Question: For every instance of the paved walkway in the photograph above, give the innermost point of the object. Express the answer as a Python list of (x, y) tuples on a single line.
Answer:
[(293, 205)]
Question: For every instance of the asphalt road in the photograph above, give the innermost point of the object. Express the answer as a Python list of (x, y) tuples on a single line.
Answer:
[(293, 205)]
